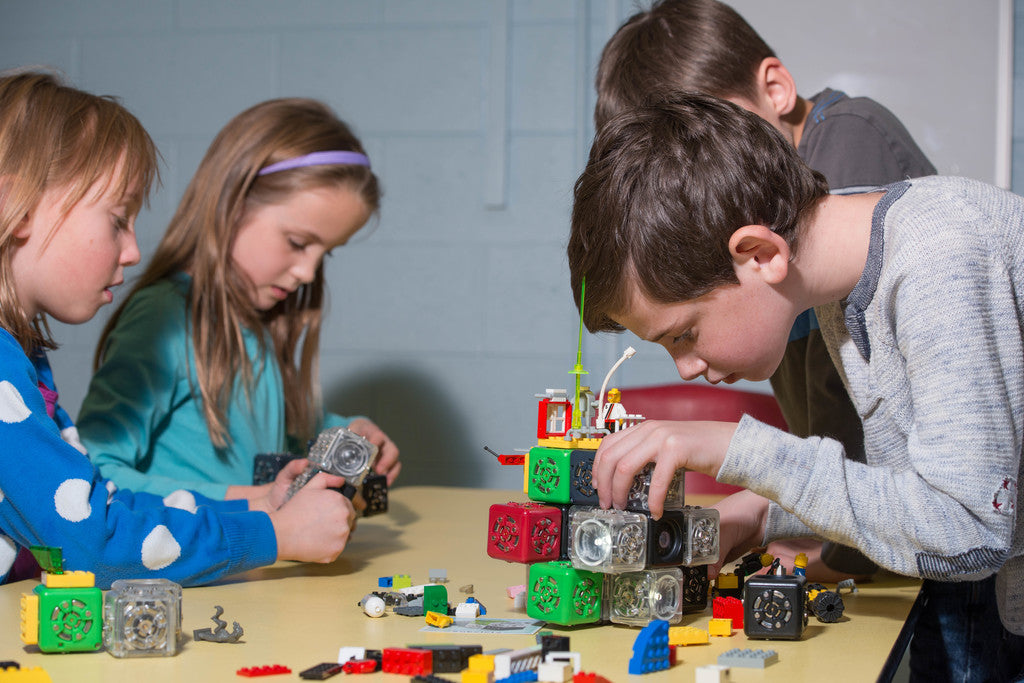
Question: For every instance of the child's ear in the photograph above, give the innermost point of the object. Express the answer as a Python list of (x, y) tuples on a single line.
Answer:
[(761, 251), (777, 85)]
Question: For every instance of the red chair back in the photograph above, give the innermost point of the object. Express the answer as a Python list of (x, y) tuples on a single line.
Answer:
[(702, 402)]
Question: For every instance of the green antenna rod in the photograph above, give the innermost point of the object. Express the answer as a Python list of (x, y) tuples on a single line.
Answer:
[(578, 370)]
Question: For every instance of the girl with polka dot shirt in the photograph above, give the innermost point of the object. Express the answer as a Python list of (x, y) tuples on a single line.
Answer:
[(74, 171)]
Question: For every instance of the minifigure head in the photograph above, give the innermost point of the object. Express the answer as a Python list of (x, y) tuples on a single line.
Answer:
[(679, 45), (614, 396), (676, 199)]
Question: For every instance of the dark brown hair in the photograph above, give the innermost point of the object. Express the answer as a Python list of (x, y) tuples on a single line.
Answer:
[(665, 187), (201, 235), (55, 136), (698, 45)]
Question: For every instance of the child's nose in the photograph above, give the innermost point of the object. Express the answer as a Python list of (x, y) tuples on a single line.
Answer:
[(304, 269), (690, 367), (130, 251)]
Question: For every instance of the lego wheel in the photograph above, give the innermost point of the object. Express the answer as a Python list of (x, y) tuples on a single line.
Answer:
[(72, 620), (828, 606)]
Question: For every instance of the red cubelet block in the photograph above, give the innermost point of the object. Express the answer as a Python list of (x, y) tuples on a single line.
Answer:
[(407, 661), (524, 532), (728, 608)]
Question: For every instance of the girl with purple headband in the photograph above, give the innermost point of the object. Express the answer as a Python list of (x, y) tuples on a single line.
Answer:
[(213, 358)]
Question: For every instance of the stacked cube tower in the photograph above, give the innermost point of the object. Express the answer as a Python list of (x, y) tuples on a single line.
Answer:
[(588, 565)]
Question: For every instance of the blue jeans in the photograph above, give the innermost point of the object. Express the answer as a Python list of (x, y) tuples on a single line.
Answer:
[(959, 638)]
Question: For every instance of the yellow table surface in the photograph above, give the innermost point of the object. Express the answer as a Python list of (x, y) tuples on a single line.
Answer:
[(299, 615)]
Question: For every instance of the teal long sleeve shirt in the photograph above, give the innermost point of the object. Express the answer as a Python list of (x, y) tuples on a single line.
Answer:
[(142, 420)]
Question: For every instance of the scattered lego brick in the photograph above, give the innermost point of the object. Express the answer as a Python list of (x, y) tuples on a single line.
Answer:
[(728, 607), (650, 649), (720, 627), (407, 661), (748, 659), (269, 670), (712, 673), (439, 620), (554, 672), (359, 666), (321, 672), (687, 635)]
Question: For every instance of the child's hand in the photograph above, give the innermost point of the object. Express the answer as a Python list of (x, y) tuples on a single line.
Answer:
[(698, 446), (314, 525), (387, 452), (743, 516), (273, 495)]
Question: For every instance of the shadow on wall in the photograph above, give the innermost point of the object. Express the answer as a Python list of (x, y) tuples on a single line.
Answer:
[(427, 424)]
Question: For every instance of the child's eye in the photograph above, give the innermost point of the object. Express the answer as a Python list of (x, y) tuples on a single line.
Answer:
[(121, 223), (296, 245), (685, 336)]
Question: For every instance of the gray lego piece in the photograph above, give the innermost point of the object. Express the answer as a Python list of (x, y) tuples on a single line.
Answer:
[(748, 659)]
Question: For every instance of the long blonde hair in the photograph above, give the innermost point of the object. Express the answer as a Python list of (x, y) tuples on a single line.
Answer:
[(202, 233), (55, 136)]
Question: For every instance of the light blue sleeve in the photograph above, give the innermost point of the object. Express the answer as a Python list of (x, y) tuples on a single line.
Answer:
[(142, 380)]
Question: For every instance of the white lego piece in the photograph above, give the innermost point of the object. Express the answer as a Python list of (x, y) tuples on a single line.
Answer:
[(508, 663), (554, 672), (467, 610), (566, 657), (712, 673), (347, 653)]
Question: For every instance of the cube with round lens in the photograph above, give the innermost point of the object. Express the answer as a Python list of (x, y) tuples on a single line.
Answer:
[(607, 541), (638, 598), (142, 618)]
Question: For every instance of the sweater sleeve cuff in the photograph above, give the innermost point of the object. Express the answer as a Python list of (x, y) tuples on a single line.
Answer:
[(251, 540)]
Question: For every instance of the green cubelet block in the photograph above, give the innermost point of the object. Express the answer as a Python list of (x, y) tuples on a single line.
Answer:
[(561, 594), (70, 619), (549, 477)]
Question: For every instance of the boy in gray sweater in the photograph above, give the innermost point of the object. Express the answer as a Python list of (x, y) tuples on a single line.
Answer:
[(698, 228)]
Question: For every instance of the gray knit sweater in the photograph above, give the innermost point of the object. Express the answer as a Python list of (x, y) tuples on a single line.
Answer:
[(930, 344)]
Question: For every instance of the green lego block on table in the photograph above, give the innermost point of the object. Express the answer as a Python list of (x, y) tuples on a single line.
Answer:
[(70, 619), (559, 593), (435, 599), (549, 474)]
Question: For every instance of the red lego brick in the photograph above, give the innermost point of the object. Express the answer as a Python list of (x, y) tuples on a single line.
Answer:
[(270, 670), (407, 661), (728, 608), (359, 666)]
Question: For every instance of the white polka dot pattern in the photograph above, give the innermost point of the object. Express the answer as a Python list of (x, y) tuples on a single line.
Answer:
[(160, 549), (182, 500), (8, 553), (12, 405), (72, 500)]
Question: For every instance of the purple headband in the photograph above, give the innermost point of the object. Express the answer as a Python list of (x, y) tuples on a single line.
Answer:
[(317, 159)]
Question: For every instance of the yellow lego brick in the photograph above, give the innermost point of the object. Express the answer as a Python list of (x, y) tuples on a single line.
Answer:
[(720, 627), (562, 442), (69, 580), (728, 581), (481, 663), (470, 676), (401, 581), (29, 618), (32, 674), (687, 635), (439, 620)]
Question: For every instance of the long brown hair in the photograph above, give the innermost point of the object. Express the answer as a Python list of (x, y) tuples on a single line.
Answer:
[(202, 233), (56, 136)]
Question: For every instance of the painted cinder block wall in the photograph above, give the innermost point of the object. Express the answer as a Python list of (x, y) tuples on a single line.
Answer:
[(453, 310)]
